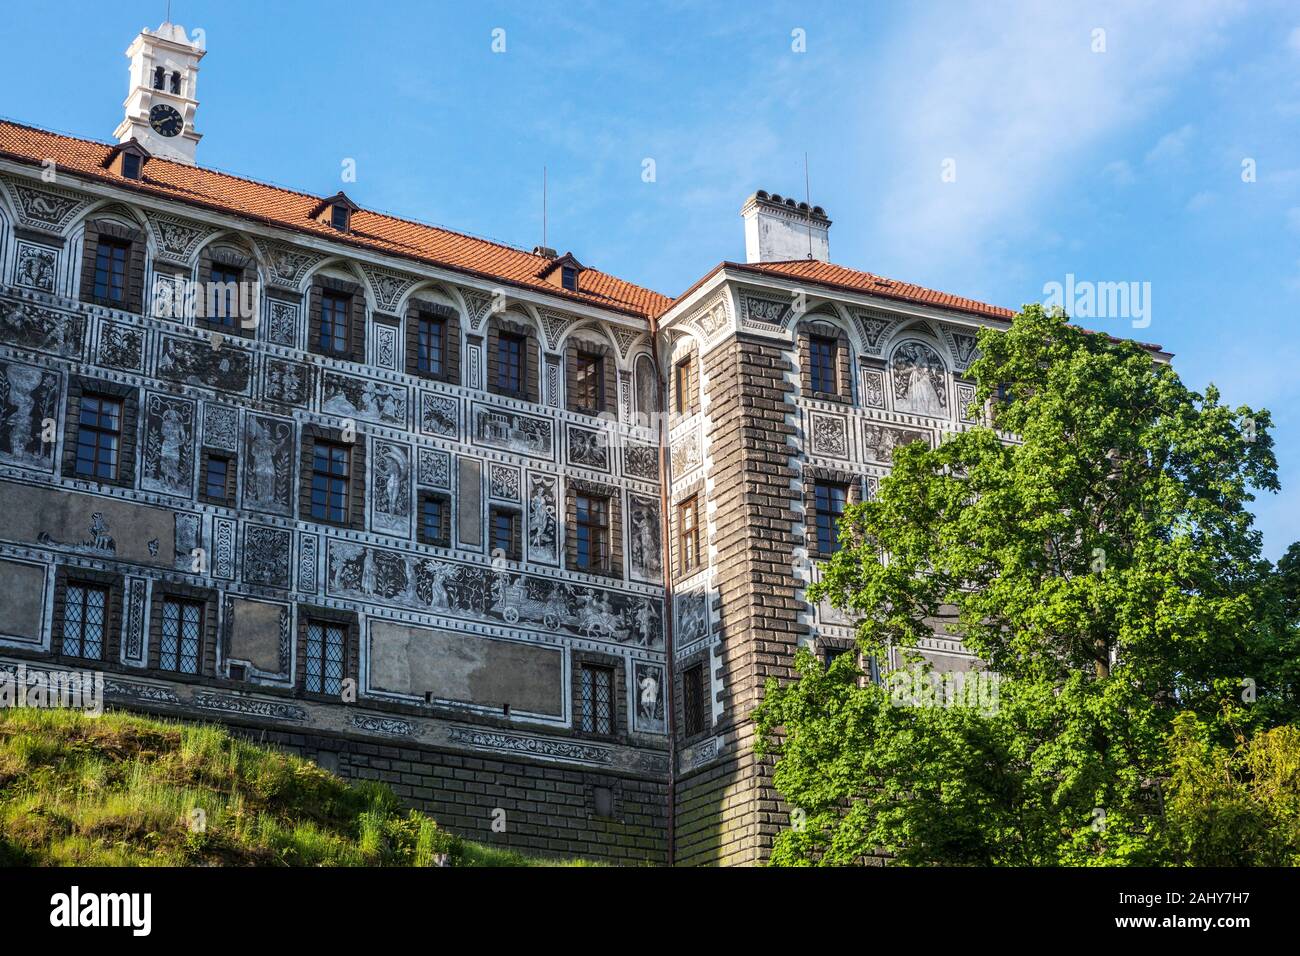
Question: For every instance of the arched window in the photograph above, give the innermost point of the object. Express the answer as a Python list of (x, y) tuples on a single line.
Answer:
[(159, 76), (176, 81)]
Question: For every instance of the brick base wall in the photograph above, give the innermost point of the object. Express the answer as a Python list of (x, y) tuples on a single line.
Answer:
[(549, 810)]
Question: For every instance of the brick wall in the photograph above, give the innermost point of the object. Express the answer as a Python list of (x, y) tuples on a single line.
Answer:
[(728, 811), (549, 810)]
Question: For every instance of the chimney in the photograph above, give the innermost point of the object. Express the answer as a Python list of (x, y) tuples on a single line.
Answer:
[(778, 228)]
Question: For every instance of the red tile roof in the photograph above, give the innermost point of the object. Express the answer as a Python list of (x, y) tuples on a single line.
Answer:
[(842, 277), (816, 272), (286, 208)]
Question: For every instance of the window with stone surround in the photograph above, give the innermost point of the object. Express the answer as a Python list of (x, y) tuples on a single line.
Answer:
[(825, 361), (324, 666), (685, 386), (831, 499), (328, 649), (180, 646), (433, 341), (100, 444), (226, 273), (513, 359), (112, 265), (503, 532), (85, 620), (218, 482), (590, 376), (332, 477), (688, 535), (693, 700), (593, 528), (337, 319), (596, 700), (435, 519), (183, 630)]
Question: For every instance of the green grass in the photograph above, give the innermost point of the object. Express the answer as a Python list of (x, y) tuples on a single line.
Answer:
[(119, 790)]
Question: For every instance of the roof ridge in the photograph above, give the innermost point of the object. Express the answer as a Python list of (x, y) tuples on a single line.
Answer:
[(269, 184)]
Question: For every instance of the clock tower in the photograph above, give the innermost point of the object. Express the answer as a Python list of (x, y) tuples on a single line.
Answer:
[(161, 101)]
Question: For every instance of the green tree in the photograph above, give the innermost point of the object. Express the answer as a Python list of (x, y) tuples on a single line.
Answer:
[(1102, 564)]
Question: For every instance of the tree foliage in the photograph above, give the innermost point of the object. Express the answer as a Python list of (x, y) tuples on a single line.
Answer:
[(1094, 548)]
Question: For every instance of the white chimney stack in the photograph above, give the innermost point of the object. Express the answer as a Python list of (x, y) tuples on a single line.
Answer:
[(778, 229)]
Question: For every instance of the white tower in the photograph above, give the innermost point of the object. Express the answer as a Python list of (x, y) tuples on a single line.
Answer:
[(161, 102)]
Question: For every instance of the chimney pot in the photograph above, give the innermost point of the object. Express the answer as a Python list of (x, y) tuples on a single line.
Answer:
[(779, 228)]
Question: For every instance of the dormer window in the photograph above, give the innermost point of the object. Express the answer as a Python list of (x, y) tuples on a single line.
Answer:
[(336, 212), (562, 271), (127, 159), (159, 77)]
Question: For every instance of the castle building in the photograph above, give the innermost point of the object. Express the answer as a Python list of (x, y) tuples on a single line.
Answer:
[(513, 535)]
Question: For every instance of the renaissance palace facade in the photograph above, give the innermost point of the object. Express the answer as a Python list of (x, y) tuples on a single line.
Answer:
[(517, 537)]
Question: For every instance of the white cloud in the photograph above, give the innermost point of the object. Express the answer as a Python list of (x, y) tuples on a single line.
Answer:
[(1017, 99), (1120, 172), (1170, 146)]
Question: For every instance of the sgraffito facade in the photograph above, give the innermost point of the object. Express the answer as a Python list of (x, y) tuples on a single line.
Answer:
[(517, 537)]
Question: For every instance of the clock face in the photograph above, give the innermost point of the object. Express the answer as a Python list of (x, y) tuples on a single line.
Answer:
[(165, 120)]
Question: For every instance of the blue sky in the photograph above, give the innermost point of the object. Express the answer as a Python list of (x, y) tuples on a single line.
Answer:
[(1122, 165)]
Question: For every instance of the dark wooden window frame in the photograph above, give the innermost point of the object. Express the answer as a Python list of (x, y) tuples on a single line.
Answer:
[(355, 339), (530, 358), (107, 231), (443, 537), (127, 395), (421, 311), (224, 264), (207, 656), (231, 460), (819, 330), (356, 514), (512, 550), (688, 535), (598, 358), (308, 614), (87, 577)]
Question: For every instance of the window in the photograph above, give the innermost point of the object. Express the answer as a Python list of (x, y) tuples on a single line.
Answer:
[(326, 643), (830, 654), (435, 519), (130, 166), (176, 82), (504, 533), (85, 621), (222, 304), (592, 533), (334, 308), (830, 508), (110, 269), (329, 482), (589, 382), (688, 534), (432, 342), (569, 278), (182, 629), (510, 364), (218, 477), (99, 437), (693, 700), (824, 356), (340, 217), (596, 711), (683, 386), (159, 75)]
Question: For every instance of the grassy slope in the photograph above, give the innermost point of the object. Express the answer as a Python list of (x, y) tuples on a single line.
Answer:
[(120, 790)]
